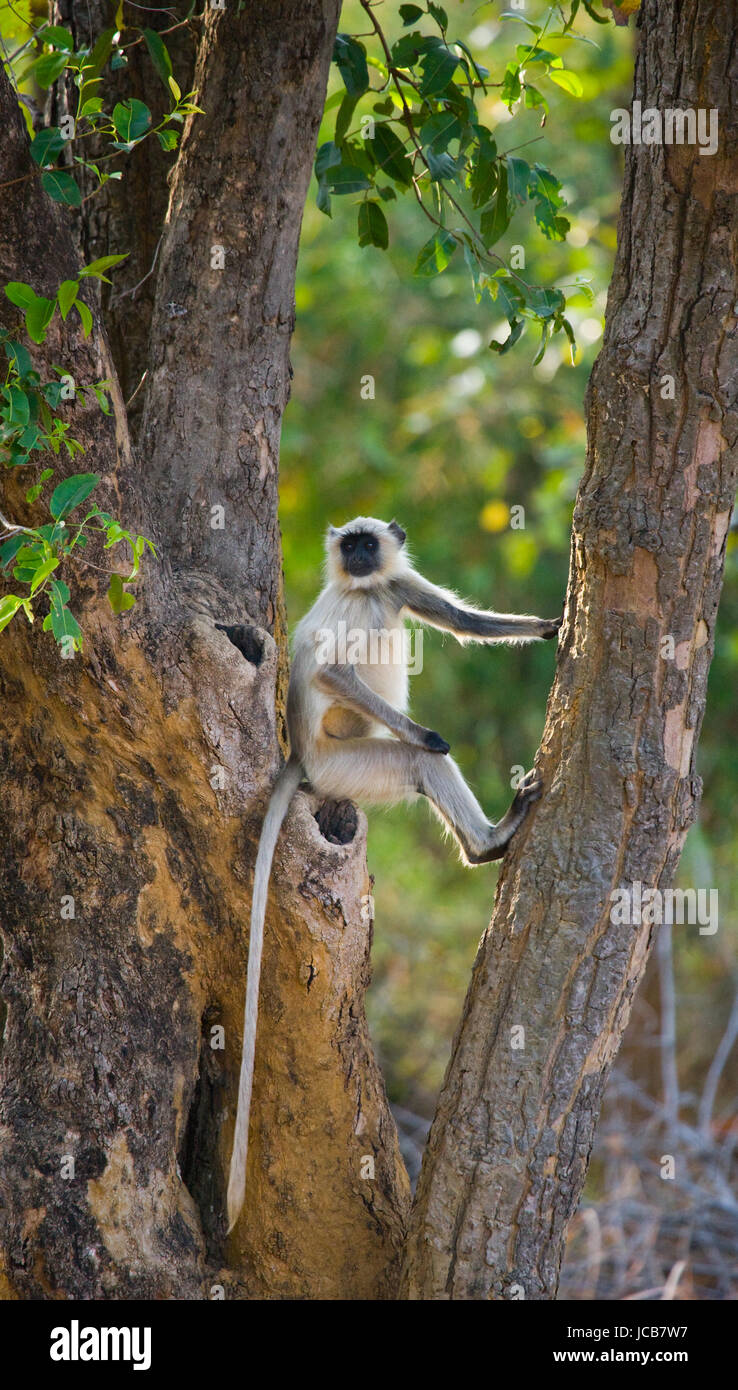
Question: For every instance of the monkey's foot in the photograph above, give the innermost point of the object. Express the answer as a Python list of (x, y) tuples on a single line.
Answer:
[(530, 789)]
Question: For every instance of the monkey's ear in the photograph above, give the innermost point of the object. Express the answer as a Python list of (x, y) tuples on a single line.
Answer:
[(398, 533), (332, 531)]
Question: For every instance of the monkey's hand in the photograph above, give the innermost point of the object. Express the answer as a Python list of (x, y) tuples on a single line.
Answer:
[(530, 789), (434, 743), (551, 627)]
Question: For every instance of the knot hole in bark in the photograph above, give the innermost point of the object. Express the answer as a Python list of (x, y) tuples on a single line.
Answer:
[(337, 821), (247, 640), (199, 1161)]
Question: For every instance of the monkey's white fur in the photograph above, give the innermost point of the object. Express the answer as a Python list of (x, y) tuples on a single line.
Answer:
[(350, 734)]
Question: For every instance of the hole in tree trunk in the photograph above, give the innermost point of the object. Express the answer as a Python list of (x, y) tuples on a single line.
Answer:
[(337, 821), (247, 640), (198, 1156)]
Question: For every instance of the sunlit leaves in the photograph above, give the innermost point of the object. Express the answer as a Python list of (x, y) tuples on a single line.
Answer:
[(118, 597), (436, 254), (71, 493), (431, 138)]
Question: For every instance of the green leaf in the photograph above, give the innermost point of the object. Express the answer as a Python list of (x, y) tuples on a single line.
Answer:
[(518, 174), (131, 119), (48, 67), (85, 316), (159, 55), (544, 303), (9, 549), (591, 11), (441, 166), (38, 317), (71, 492), (495, 221), (568, 80), (119, 600), (347, 178), (97, 267), (436, 133), (343, 119), (61, 187), (328, 156), (56, 35), (63, 624), (19, 293), (409, 13), (18, 355), (516, 328), (66, 295), (436, 254), (545, 189), (373, 229), (439, 14), (438, 68), (390, 155), (91, 107), (350, 57), (511, 87), (18, 401), (9, 606), (483, 173), (99, 56), (47, 144), (509, 14), (168, 139), (49, 565)]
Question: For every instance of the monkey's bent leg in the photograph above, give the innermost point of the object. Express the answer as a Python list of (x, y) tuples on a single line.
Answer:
[(383, 772)]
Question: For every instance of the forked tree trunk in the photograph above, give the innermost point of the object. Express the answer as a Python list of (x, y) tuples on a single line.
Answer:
[(510, 1144), (135, 779), (136, 775)]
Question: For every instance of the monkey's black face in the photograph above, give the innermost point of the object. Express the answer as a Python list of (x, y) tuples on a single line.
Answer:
[(360, 554)]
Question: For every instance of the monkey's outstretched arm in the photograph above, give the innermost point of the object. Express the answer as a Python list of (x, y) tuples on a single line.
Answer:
[(442, 609), (348, 688)]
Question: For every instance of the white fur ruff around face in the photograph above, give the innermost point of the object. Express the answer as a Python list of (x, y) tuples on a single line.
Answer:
[(393, 558)]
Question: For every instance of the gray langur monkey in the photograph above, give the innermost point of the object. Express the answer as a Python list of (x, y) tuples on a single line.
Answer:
[(351, 737)]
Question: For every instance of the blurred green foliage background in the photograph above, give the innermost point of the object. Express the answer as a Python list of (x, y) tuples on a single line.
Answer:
[(454, 437)]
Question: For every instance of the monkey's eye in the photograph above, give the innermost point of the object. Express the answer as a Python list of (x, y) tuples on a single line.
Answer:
[(370, 543), (348, 544)]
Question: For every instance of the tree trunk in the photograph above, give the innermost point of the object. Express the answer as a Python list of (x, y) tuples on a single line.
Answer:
[(136, 777), (509, 1147)]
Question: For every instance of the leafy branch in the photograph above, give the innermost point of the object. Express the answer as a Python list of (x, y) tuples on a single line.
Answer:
[(30, 425), (425, 134), (120, 129)]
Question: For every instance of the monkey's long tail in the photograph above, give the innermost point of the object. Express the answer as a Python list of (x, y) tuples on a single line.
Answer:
[(285, 787)]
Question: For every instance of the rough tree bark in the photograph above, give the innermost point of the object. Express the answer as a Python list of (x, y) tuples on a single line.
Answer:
[(110, 794), (509, 1148)]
